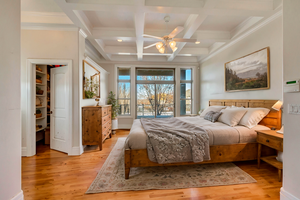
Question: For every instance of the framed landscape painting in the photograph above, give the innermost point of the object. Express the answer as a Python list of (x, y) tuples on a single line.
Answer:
[(250, 72)]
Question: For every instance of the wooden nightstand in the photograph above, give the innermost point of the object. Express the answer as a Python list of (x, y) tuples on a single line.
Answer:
[(273, 140)]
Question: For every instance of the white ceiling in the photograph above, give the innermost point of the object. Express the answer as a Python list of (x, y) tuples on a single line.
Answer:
[(214, 22)]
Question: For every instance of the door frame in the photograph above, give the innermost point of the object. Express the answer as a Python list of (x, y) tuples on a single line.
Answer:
[(29, 110)]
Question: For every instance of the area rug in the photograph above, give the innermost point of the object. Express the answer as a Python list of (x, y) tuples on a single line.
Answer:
[(111, 177)]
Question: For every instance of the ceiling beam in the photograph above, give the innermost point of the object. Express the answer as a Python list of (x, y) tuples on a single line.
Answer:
[(139, 22), (80, 20), (192, 24), (131, 50), (255, 8)]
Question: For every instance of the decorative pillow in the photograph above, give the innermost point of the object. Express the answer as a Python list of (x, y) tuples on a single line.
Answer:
[(253, 116), (232, 117), (212, 116), (212, 108)]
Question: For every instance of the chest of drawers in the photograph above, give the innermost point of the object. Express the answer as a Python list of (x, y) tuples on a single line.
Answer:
[(96, 124)]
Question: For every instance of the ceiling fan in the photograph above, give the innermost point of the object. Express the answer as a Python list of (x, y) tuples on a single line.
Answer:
[(168, 41)]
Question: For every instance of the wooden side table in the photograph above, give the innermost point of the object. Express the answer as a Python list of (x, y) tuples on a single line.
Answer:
[(274, 140)]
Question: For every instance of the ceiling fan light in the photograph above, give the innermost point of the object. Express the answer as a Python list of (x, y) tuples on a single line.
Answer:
[(159, 45), (174, 48), (197, 42), (172, 44), (162, 49)]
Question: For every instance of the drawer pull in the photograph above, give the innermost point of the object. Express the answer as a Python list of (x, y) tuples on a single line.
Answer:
[(267, 140)]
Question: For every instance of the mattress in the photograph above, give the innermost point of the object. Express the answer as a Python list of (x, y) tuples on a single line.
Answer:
[(219, 133)]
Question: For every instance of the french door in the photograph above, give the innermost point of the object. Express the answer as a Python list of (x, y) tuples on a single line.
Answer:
[(155, 93)]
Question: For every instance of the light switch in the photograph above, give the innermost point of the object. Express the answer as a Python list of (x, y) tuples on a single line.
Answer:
[(294, 109)]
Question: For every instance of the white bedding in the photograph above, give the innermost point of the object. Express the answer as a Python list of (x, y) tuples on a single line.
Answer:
[(219, 133)]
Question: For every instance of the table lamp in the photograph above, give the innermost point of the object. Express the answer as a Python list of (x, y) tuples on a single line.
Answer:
[(278, 106)]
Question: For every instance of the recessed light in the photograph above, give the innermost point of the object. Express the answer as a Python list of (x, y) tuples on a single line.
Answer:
[(197, 42), (119, 40), (124, 53)]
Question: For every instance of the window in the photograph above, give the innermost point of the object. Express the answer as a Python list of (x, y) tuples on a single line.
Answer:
[(124, 91), (186, 91), (155, 93)]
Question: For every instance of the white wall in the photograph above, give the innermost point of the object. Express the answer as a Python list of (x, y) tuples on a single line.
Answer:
[(126, 121), (291, 70), (10, 105), (46, 44), (212, 71)]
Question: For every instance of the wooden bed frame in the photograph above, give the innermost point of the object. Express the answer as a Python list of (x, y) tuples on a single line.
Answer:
[(218, 153)]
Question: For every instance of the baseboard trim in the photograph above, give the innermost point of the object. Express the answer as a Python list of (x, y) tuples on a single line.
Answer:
[(19, 196), (124, 126), (284, 195), (24, 151), (75, 151)]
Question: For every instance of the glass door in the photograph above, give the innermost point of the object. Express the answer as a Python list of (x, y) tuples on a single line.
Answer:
[(155, 92), (164, 100), (145, 101)]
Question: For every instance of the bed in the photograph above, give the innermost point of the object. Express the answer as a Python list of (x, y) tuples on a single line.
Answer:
[(231, 144)]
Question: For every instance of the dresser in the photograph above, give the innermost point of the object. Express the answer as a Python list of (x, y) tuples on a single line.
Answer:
[(274, 140), (96, 124)]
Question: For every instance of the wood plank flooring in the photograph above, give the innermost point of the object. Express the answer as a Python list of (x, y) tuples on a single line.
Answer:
[(54, 175)]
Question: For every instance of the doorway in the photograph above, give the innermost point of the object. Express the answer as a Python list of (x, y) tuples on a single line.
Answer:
[(155, 93), (49, 105)]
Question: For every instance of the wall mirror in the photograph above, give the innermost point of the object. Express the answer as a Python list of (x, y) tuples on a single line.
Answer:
[(91, 81)]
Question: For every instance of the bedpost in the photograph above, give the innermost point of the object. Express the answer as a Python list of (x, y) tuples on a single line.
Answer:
[(127, 162)]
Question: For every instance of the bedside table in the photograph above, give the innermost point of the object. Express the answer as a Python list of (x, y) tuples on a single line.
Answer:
[(274, 140)]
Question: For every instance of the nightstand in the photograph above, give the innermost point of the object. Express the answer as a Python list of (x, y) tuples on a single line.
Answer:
[(274, 140)]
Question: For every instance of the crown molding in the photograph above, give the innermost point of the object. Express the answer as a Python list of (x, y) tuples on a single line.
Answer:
[(242, 36), (43, 26), (83, 33)]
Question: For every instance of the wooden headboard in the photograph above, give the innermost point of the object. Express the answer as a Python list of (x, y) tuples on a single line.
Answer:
[(272, 120)]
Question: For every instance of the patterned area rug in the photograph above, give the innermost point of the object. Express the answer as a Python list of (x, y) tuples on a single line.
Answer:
[(111, 177)]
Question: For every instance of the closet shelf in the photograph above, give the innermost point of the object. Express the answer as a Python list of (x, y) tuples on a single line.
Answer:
[(40, 84), (40, 107), (40, 129), (38, 95), (40, 118), (39, 72)]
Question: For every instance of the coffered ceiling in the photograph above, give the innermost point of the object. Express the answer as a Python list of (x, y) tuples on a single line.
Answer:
[(215, 23)]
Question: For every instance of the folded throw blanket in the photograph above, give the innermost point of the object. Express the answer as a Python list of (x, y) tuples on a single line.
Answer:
[(171, 140)]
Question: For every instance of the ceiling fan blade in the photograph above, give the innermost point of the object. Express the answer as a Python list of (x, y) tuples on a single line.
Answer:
[(184, 40), (176, 31), (152, 36), (147, 47)]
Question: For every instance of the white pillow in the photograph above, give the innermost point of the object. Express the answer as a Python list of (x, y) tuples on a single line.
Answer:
[(212, 108), (232, 117), (253, 116)]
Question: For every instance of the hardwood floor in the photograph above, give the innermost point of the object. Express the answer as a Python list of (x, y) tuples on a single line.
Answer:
[(54, 175)]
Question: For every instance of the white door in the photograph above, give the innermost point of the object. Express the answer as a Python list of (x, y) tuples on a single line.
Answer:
[(59, 109)]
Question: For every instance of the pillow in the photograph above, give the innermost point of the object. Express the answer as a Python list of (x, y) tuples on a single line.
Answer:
[(232, 117), (212, 116), (253, 116), (212, 108)]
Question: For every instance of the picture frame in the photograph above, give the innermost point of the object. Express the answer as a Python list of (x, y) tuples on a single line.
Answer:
[(250, 72), (91, 81)]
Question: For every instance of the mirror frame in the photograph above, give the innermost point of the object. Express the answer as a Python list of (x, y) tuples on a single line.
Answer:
[(83, 79)]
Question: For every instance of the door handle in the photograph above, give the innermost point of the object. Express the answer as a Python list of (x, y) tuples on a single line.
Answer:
[(50, 112)]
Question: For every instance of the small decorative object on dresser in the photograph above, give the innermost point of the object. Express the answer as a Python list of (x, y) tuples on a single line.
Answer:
[(96, 124), (274, 140)]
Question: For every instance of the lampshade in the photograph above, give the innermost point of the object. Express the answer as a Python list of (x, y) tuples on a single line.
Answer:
[(159, 45), (277, 106), (172, 44), (174, 48), (162, 49)]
